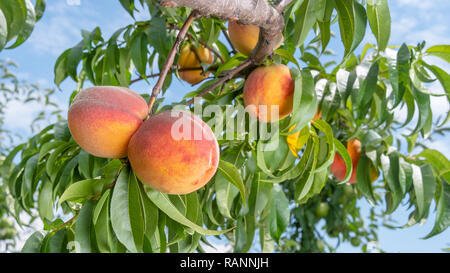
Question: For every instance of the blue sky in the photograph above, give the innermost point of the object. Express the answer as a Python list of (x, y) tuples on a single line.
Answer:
[(412, 21)]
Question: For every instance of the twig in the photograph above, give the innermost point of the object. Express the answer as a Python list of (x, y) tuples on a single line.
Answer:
[(228, 76), (190, 37), (68, 222), (170, 59), (117, 175), (173, 69), (227, 37)]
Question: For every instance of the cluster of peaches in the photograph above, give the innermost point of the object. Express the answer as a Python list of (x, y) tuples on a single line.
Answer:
[(114, 122)]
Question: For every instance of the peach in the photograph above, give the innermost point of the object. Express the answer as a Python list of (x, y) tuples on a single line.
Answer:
[(192, 57), (243, 37), (338, 167), (266, 87), (102, 119), (174, 152)]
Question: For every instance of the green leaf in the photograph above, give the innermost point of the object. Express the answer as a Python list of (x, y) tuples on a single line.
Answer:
[(367, 89), (45, 203), (304, 184), (391, 170), (399, 75), (128, 5), (39, 9), (83, 227), (3, 30), (60, 69), (380, 21), (84, 189), (346, 13), (436, 159), (360, 25), (15, 13), (136, 211), (441, 51), (28, 26), (7, 163), (288, 56), (424, 187), (164, 204), (151, 213), (58, 242), (327, 130), (442, 212), (442, 76), (244, 233), (305, 101), (231, 173), (29, 173), (102, 222), (225, 194), (279, 212), (33, 243), (305, 17), (139, 52), (424, 107), (74, 57), (363, 179), (120, 211)]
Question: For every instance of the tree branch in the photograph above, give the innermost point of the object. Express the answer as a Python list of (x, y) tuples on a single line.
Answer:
[(227, 37), (171, 57), (250, 12), (173, 69), (228, 76)]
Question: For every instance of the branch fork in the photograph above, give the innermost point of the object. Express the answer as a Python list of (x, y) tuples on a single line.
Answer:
[(251, 12)]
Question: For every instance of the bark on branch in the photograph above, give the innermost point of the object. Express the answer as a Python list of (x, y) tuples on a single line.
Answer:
[(250, 12)]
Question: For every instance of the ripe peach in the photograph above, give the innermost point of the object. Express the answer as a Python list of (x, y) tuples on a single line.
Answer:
[(269, 86), (192, 57), (243, 37), (338, 167), (102, 119), (174, 152)]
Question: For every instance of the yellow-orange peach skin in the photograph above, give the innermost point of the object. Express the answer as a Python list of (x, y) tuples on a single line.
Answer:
[(269, 86), (102, 119), (243, 37), (169, 163), (192, 57)]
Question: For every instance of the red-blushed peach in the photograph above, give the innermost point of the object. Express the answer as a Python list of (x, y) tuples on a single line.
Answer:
[(102, 119), (174, 152), (243, 37), (338, 167), (192, 57), (266, 87)]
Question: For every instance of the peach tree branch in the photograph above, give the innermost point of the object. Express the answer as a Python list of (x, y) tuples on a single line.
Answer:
[(250, 12), (171, 57)]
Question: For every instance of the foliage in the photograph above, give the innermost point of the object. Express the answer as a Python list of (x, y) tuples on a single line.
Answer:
[(17, 20), (12, 89), (255, 191)]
